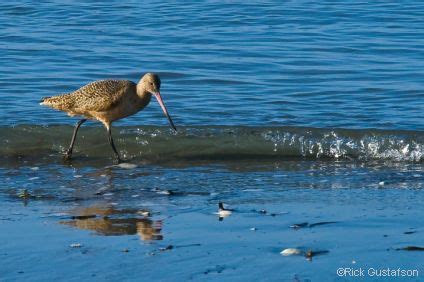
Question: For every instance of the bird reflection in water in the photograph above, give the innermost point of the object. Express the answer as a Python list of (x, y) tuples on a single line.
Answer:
[(114, 222)]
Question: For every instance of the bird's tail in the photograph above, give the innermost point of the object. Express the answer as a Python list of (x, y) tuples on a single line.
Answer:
[(43, 100), (60, 102)]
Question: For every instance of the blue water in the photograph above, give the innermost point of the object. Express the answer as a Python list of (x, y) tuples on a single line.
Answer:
[(299, 63), (288, 113)]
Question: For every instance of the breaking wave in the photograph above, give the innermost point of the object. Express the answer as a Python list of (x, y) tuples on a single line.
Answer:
[(216, 143)]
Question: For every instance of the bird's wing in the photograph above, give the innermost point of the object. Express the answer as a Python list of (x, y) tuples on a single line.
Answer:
[(101, 95)]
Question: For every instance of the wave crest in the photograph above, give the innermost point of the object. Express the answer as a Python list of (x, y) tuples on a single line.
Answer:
[(218, 143)]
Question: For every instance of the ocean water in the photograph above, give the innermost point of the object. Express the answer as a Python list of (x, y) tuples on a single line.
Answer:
[(305, 114)]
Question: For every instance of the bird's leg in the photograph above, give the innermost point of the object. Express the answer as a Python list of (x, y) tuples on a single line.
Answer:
[(109, 132), (68, 152)]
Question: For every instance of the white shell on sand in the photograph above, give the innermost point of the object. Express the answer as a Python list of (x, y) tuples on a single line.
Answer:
[(75, 245), (127, 165), (144, 213), (290, 252), (224, 213), (164, 192)]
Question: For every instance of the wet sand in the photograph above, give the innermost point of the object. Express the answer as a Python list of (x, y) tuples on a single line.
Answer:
[(160, 223)]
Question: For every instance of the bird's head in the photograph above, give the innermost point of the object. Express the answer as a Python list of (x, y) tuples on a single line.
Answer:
[(150, 83)]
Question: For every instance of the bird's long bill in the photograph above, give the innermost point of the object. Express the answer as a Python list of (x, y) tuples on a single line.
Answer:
[(165, 111)]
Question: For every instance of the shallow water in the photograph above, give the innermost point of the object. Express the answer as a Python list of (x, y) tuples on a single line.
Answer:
[(305, 114)]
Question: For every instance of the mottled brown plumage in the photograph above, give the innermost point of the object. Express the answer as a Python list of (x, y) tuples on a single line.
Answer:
[(96, 96), (108, 101)]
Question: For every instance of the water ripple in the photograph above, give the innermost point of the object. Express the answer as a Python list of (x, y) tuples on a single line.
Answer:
[(344, 64)]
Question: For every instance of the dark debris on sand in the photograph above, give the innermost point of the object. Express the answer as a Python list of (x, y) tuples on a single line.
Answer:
[(306, 224), (411, 248)]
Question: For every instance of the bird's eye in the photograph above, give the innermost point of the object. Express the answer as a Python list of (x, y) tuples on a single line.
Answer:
[(151, 83)]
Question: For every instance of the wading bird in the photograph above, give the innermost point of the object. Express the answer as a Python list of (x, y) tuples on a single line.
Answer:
[(108, 101)]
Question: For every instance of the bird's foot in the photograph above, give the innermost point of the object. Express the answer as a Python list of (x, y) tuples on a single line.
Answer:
[(118, 160), (68, 155)]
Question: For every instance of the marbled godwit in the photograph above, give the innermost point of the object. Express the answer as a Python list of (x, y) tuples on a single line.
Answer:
[(108, 101)]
